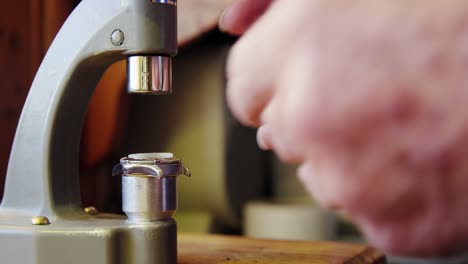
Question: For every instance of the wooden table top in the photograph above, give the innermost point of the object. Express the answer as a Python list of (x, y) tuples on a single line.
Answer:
[(216, 249)]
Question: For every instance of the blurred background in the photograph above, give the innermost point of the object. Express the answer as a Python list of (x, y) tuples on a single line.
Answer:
[(235, 188)]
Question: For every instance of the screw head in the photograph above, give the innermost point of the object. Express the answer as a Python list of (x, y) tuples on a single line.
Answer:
[(117, 37), (40, 220), (91, 210)]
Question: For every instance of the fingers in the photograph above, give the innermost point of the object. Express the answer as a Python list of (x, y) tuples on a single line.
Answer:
[(253, 67), (340, 122), (250, 79), (238, 17), (247, 98)]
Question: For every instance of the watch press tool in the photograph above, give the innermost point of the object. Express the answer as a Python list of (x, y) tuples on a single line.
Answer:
[(41, 216)]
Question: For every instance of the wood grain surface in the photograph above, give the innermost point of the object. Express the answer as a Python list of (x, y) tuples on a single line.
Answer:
[(216, 249)]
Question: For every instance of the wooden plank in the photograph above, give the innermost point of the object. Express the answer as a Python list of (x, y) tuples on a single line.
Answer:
[(217, 249)]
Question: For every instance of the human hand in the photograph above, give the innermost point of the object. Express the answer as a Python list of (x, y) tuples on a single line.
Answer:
[(370, 98)]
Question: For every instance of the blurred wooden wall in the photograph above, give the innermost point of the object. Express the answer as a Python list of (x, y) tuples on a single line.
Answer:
[(27, 28)]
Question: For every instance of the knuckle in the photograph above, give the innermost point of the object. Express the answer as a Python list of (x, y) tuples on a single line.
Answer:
[(242, 104), (237, 56), (288, 155)]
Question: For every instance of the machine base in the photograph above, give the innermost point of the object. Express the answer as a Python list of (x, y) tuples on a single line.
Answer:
[(102, 239)]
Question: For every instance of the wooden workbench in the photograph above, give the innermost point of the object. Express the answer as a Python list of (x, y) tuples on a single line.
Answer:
[(212, 249)]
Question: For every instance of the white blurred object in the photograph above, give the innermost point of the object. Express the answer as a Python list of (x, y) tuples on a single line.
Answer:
[(288, 221), (292, 214)]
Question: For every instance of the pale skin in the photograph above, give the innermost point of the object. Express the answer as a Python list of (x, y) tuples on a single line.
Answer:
[(370, 97)]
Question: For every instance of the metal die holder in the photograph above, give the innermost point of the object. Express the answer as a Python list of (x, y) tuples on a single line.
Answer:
[(149, 185)]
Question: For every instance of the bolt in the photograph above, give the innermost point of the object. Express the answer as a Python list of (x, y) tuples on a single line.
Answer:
[(117, 37), (91, 210), (40, 220)]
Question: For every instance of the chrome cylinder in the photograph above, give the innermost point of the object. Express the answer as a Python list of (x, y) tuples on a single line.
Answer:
[(147, 199), (149, 75), (149, 185)]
